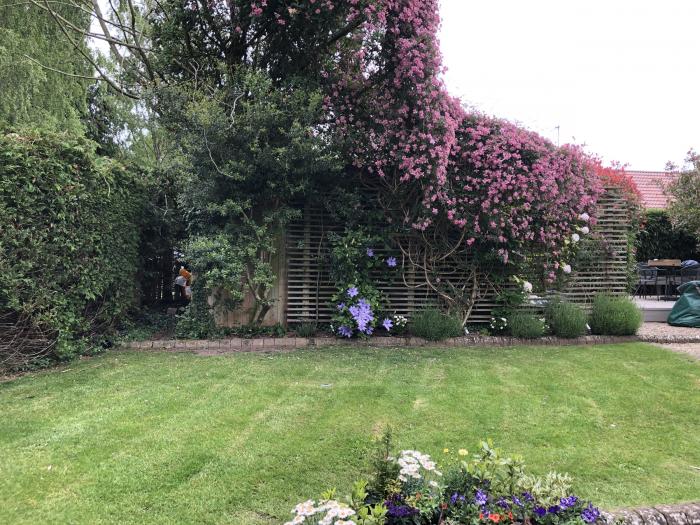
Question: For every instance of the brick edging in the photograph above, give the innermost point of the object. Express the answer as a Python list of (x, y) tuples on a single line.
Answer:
[(237, 344), (680, 514)]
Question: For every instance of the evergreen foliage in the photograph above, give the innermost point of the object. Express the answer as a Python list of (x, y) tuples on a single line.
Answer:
[(71, 231)]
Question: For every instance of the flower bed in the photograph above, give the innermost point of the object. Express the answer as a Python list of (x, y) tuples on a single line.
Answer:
[(411, 489)]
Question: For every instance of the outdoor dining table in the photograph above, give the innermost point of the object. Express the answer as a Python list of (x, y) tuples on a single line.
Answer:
[(669, 268)]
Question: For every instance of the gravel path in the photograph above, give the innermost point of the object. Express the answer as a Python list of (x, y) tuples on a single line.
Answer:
[(676, 338), (665, 333)]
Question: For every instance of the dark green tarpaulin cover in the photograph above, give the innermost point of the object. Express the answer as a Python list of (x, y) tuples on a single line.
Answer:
[(686, 311)]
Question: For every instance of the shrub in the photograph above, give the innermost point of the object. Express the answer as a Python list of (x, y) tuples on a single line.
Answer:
[(433, 325), (306, 329), (566, 320), (69, 249), (526, 326), (614, 316)]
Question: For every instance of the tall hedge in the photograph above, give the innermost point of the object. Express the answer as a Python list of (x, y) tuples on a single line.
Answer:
[(70, 236), (657, 239)]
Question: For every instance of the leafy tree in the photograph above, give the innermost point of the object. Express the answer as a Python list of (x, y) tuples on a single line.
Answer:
[(43, 82), (684, 209)]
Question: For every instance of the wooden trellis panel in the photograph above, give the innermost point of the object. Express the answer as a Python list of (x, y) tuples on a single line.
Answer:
[(309, 288)]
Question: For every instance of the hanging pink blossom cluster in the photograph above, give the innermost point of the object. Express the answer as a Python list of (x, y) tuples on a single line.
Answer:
[(388, 98), (513, 189), (508, 187)]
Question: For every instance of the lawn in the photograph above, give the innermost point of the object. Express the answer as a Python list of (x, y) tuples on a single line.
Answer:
[(178, 438)]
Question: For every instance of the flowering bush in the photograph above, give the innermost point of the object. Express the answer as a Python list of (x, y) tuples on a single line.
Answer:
[(501, 187), (484, 489), (356, 265)]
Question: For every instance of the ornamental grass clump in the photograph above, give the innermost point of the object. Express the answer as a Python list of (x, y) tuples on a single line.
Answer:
[(614, 316), (526, 326), (566, 320), (433, 325), (486, 488)]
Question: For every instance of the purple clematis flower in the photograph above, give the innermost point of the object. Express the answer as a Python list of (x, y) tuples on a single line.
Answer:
[(353, 291), (391, 262), (540, 511), (370, 252), (345, 331), (341, 306), (387, 324)]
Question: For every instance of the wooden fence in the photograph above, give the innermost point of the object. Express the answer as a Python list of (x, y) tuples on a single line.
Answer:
[(309, 287)]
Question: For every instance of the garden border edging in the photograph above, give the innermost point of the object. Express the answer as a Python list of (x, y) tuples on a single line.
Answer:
[(678, 514), (263, 344)]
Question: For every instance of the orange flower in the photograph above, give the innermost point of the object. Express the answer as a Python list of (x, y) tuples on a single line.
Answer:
[(481, 515), (510, 515), (495, 518)]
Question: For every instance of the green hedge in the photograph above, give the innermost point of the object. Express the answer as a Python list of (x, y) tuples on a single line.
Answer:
[(69, 245), (658, 240)]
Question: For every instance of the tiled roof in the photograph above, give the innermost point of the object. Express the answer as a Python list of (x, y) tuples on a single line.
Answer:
[(651, 185)]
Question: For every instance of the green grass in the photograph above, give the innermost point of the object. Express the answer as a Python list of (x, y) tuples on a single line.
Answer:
[(178, 438)]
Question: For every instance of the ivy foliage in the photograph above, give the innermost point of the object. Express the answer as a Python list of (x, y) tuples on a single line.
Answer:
[(69, 248)]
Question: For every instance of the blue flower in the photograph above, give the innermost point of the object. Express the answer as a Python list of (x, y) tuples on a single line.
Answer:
[(391, 262), (554, 509), (566, 503), (590, 514), (480, 498), (363, 316), (387, 324), (457, 497), (528, 496), (345, 331), (517, 501), (341, 306), (540, 511), (398, 509), (502, 503), (370, 252), (353, 291)]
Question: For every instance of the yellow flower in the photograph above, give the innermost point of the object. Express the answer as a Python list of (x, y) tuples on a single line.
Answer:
[(462, 452), (446, 450)]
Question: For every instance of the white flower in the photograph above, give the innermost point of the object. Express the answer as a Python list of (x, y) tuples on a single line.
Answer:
[(584, 217), (585, 230), (575, 237), (527, 286), (566, 268), (305, 509), (433, 483)]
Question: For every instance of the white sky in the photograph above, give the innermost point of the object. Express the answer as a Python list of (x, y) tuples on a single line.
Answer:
[(621, 76)]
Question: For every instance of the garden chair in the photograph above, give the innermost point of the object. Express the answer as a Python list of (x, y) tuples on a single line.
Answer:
[(690, 273), (647, 276)]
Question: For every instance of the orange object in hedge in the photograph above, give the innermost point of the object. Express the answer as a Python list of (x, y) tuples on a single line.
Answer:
[(187, 275)]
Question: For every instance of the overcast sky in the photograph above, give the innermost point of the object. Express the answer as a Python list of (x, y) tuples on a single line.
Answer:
[(621, 76)]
